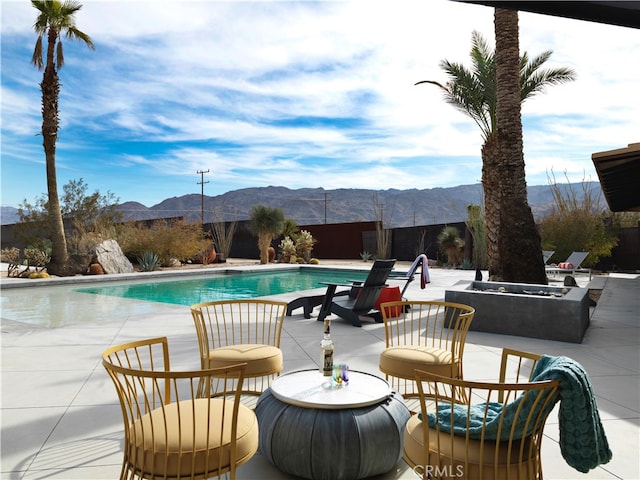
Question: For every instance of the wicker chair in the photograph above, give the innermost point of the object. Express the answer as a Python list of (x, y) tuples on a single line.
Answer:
[(425, 335), (172, 429), (496, 435), (242, 331)]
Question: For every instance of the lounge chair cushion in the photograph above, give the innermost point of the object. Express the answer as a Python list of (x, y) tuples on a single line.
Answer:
[(260, 359), (402, 361), (415, 453), (185, 417)]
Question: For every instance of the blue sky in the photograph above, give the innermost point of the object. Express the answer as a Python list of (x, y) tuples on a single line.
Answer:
[(297, 94)]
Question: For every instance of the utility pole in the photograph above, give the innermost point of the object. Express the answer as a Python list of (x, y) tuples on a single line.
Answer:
[(325, 208), (201, 183)]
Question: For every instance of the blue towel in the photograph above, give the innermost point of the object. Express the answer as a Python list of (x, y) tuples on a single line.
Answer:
[(583, 442), (582, 439), (514, 418)]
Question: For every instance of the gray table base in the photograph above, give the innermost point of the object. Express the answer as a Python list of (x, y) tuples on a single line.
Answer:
[(319, 444)]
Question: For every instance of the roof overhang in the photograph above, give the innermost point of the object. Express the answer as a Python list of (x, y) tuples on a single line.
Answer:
[(623, 14), (619, 173)]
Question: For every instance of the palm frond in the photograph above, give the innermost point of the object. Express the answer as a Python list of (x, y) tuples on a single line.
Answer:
[(36, 58), (474, 91), (76, 34), (59, 55), (59, 17)]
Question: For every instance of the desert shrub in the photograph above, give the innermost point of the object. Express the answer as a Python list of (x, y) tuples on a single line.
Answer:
[(14, 259), (10, 255), (38, 255), (304, 244), (578, 223), (287, 249), (222, 232), (169, 240), (88, 218)]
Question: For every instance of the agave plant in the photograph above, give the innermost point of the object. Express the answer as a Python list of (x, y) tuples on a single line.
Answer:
[(148, 261)]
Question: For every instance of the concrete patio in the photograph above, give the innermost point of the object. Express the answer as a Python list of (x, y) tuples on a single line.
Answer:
[(60, 416)]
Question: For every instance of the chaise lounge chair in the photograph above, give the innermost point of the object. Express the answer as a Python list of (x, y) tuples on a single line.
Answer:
[(362, 297), (546, 255), (571, 265)]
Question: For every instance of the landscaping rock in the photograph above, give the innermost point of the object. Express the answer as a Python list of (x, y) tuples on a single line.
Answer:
[(110, 256)]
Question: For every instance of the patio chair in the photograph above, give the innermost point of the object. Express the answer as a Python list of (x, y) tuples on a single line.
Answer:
[(571, 265), (242, 331), (172, 429), (361, 300), (425, 335), (495, 433)]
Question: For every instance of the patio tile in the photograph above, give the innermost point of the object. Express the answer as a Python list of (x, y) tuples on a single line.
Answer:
[(73, 429), (24, 432), (43, 389)]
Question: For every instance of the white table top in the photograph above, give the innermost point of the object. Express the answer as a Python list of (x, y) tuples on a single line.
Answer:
[(311, 389)]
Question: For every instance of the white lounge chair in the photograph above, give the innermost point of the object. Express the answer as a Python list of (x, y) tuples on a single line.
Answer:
[(546, 255), (571, 266)]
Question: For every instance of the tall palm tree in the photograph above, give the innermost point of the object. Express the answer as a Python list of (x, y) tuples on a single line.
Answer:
[(54, 20), (266, 223), (483, 93)]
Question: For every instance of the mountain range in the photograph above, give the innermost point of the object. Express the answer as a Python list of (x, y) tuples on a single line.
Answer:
[(309, 206)]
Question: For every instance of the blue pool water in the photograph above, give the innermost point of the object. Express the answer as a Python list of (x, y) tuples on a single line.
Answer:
[(226, 287)]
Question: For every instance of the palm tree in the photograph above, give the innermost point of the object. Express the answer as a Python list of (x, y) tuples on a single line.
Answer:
[(266, 223), (513, 243), (54, 20)]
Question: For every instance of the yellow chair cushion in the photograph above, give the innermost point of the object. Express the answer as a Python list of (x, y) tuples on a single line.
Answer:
[(453, 446), (260, 359), (179, 447), (402, 361)]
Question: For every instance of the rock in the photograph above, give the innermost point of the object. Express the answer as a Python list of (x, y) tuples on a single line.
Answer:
[(110, 256), (172, 263), (569, 281)]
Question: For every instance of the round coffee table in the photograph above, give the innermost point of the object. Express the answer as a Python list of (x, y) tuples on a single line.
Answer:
[(314, 429)]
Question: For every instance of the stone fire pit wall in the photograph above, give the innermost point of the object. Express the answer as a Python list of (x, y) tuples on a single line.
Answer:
[(563, 318)]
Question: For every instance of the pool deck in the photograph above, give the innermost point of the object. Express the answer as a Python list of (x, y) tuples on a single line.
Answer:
[(60, 416)]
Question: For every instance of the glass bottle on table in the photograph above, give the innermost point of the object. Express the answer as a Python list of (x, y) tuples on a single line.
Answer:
[(326, 347)]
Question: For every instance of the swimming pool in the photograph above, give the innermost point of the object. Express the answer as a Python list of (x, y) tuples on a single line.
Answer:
[(103, 301), (226, 287)]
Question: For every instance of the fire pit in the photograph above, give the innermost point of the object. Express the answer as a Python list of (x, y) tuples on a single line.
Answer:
[(526, 310)]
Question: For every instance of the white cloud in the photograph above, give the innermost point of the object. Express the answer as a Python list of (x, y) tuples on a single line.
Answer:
[(301, 94)]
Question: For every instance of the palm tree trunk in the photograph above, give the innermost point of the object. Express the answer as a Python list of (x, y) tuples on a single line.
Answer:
[(517, 254), (50, 93), (491, 187)]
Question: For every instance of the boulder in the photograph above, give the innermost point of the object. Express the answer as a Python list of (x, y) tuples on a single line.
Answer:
[(110, 256)]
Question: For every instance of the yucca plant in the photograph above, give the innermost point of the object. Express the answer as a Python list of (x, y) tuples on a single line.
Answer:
[(452, 245), (148, 261)]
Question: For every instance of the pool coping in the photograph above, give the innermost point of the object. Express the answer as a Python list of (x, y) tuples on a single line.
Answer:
[(9, 283)]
